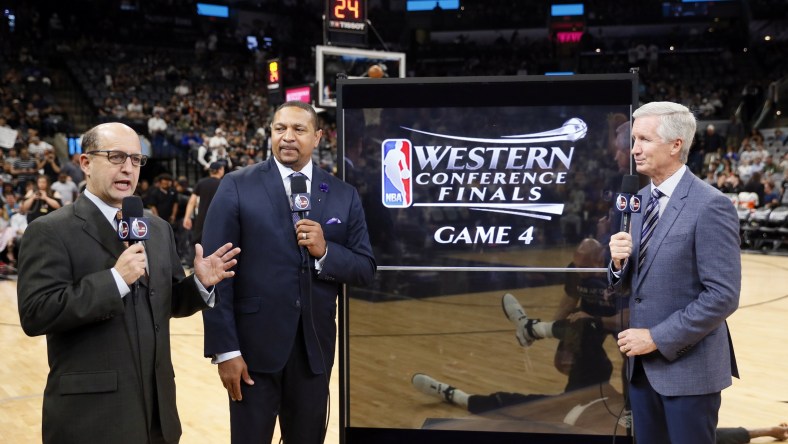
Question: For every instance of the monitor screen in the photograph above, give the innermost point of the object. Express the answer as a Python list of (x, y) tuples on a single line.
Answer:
[(429, 5), (475, 188), (211, 10), (74, 145), (567, 9)]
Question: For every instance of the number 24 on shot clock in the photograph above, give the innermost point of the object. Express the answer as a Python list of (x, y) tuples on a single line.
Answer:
[(347, 15)]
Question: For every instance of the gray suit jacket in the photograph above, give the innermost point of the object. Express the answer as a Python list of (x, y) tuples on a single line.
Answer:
[(688, 285), (94, 392)]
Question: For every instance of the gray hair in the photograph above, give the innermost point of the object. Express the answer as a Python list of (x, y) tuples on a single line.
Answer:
[(675, 122)]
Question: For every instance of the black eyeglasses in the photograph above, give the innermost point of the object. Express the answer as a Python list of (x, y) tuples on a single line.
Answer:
[(119, 157)]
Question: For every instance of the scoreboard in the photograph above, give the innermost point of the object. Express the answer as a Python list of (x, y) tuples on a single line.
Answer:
[(346, 23)]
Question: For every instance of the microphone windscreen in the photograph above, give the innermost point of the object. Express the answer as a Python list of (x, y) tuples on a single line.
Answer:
[(298, 184), (629, 184), (132, 206)]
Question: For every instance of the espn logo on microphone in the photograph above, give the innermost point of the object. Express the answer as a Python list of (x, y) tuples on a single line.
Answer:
[(397, 183)]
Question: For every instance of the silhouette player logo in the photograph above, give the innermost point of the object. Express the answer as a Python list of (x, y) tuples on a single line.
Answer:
[(397, 184), (139, 228), (634, 203), (301, 202), (621, 202)]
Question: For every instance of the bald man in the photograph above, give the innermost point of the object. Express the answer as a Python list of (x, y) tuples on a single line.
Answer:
[(110, 374)]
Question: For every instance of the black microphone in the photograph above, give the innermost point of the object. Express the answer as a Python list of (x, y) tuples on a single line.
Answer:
[(301, 204), (133, 226), (627, 202), (299, 196)]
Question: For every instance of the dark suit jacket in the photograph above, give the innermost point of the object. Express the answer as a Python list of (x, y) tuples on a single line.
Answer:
[(688, 285), (66, 291), (260, 307)]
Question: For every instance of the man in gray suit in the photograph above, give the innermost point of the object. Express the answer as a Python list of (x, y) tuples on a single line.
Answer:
[(683, 266), (110, 373)]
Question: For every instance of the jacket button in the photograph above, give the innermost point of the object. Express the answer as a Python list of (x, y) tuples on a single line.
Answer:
[(156, 327), (638, 300), (298, 303)]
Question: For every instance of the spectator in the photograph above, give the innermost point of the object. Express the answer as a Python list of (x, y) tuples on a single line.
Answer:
[(200, 200), (754, 185), (49, 164), (162, 199), (24, 169), (40, 200), (74, 171), (66, 188)]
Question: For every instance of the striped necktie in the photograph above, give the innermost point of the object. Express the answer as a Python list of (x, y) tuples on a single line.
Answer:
[(295, 214), (649, 224)]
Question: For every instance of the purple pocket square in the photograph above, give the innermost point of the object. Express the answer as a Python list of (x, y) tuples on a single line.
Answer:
[(333, 221)]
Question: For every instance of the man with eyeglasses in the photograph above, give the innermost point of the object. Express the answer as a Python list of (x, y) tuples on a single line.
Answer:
[(110, 373)]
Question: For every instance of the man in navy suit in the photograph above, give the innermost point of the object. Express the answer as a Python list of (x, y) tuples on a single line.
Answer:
[(685, 281), (273, 330)]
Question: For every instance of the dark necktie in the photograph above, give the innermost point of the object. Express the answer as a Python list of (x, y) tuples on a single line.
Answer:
[(296, 216), (649, 224)]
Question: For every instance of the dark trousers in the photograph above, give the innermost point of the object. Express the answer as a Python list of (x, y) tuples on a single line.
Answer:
[(671, 419), (295, 394)]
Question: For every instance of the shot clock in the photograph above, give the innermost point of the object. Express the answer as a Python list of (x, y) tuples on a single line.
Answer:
[(347, 16)]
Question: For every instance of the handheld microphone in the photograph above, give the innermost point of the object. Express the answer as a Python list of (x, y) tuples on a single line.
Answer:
[(627, 202), (133, 227), (299, 196), (301, 204)]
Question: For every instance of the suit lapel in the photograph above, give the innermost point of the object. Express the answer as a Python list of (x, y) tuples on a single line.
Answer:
[(95, 226), (318, 196), (674, 207), (271, 182)]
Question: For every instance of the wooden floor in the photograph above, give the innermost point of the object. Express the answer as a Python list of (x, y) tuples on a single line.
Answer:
[(463, 340)]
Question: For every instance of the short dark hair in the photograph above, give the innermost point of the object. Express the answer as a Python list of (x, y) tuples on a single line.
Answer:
[(90, 140), (304, 106)]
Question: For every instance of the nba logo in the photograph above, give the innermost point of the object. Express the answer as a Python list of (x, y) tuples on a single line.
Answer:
[(634, 203), (123, 229), (301, 203), (397, 183), (139, 229), (621, 202)]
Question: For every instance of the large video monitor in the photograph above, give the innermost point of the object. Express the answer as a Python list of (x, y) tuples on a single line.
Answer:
[(489, 206)]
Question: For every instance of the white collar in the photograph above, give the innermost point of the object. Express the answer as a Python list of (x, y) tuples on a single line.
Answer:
[(108, 211), (669, 185), (286, 171)]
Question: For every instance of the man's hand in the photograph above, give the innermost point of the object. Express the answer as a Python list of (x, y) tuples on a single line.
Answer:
[(620, 249), (187, 223), (131, 263), (636, 341), (213, 269), (310, 235), (231, 372)]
